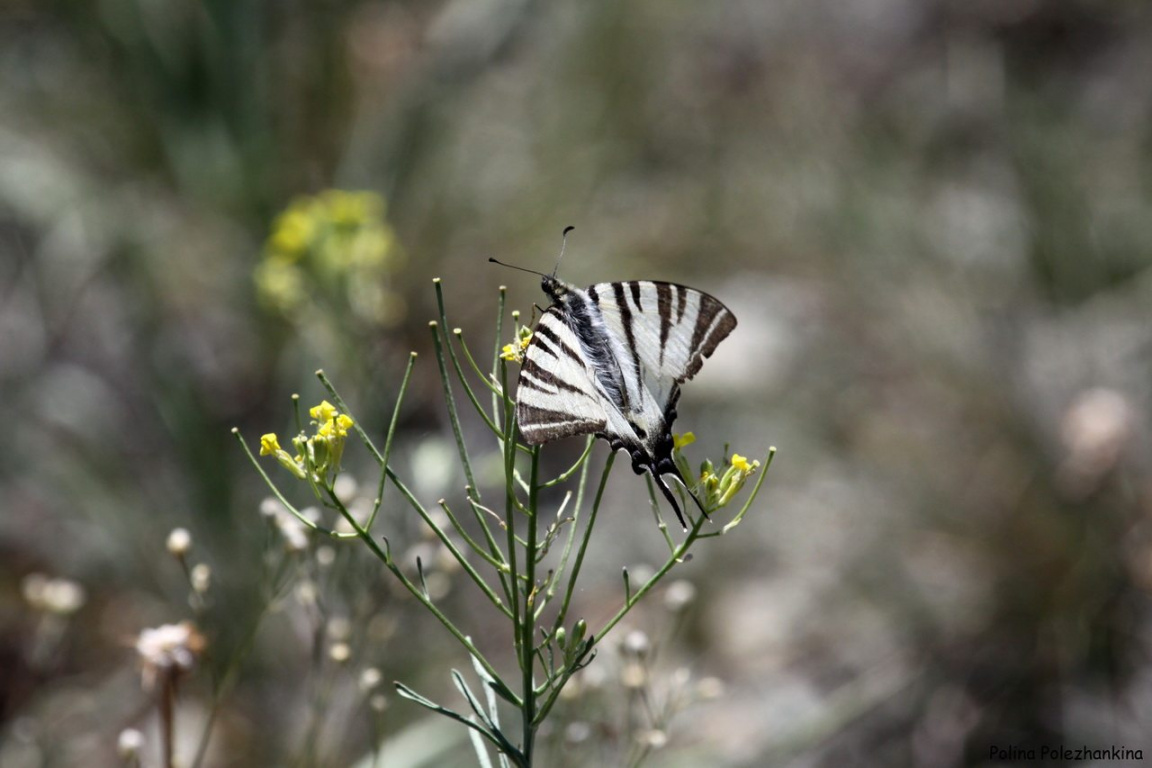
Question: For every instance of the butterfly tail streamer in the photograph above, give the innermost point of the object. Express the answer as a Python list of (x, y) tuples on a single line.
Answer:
[(671, 498)]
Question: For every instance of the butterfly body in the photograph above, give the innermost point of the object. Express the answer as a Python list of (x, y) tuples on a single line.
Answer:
[(609, 360)]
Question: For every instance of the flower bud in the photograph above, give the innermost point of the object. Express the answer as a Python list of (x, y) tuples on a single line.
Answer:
[(578, 632)]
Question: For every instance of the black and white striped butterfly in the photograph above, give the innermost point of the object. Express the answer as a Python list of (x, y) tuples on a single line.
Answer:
[(609, 360)]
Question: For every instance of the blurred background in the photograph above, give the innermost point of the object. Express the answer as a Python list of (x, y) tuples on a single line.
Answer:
[(933, 219)]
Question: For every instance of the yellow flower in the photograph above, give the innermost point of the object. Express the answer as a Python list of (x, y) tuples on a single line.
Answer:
[(269, 444), (741, 463), (514, 352), (323, 413), (351, 209), (294, 230), (279, 284), (335, 428), (679, 441), (739, 470)]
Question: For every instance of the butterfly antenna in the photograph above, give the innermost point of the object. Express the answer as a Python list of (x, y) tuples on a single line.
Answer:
[(513, 266), (563, 245)]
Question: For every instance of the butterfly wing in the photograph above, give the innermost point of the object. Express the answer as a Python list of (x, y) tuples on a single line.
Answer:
[(669, 329), (556, 396)]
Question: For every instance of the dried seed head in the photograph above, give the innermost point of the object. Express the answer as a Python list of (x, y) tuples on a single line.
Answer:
[(370, 679), (201, 577), (179, 542), (680, 595), (129, 743)]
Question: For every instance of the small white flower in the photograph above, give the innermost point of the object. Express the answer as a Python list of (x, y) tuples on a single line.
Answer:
[(369, 679), (294, 532), (201, 577), (655, 739), (636, 643), (325, 556), (129, 744), (179, 542), (168, 649), (340, 652), (345, 487), (680, 595), (270, 507), (59, 596)]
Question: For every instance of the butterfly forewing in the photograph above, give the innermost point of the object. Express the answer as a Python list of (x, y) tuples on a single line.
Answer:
[(556, 396), (669, 329)]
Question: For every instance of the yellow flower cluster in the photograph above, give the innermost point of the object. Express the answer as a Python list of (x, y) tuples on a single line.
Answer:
[(336, 245), (320, 452), (514, 352), (717, 486)]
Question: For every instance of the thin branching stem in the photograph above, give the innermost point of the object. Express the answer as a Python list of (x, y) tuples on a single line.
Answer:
[(450, 403), (563, 476), (563, 613), (527, 632), (388, 441)]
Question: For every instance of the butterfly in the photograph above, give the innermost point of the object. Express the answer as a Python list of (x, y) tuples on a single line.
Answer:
[(609, 360)]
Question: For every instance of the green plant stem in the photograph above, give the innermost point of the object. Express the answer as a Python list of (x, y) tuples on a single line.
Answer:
[(280, 496), (563, 613), (416, 592), (563, 476), (527, 630), (450, 402), (388, 440), (496, 352)]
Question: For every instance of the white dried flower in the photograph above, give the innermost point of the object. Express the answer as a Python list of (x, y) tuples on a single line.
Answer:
[(62, 597), (577, 732), (340, 652), (379, 702), (306, 592), (369, 679), (653, 739), (168, 649), (636, 643), (345, 487), (179, 542), (325, 556), (680, 594), (270, 507), (1096, 428), (633, 676), (201, 576), (129, 743), (294, 532), (33, 589)]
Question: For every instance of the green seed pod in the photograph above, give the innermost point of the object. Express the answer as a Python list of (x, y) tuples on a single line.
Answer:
[(578, 631)]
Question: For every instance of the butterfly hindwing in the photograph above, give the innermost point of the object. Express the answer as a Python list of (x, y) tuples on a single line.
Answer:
[(556, 396)]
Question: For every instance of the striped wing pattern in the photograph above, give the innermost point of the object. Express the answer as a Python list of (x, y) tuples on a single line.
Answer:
[(668, 330), (609, 360), (557, 396)]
